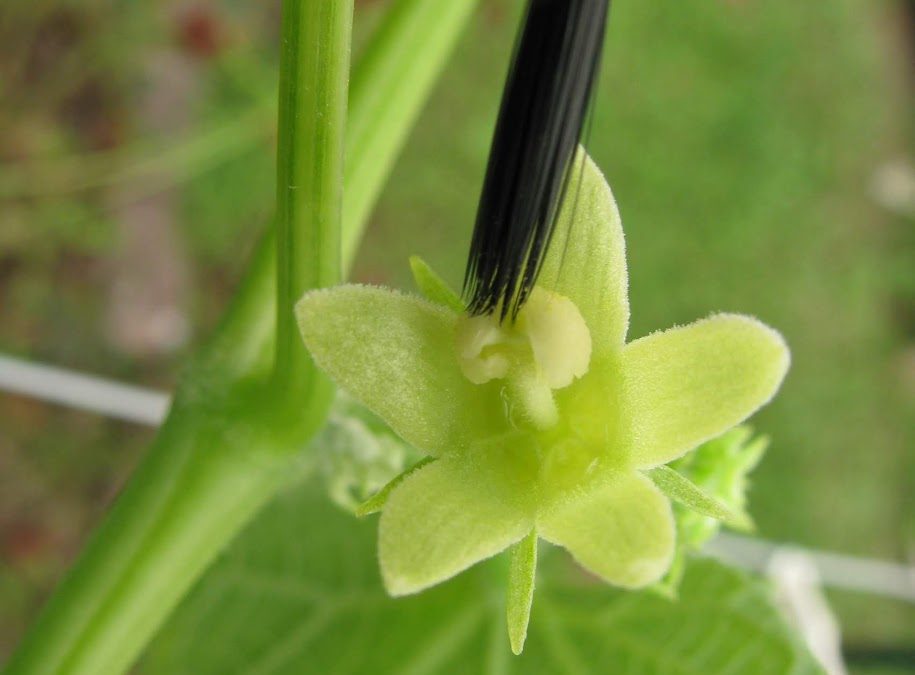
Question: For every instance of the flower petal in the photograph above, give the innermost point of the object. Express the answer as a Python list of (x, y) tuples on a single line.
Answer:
[(395, 354), (586, 261), (687, 385), (447, 516), (622, 531)]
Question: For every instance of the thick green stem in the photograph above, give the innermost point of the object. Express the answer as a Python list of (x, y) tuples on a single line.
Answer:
[(198, 485), (221, 456), (229, 440), (314, 73)]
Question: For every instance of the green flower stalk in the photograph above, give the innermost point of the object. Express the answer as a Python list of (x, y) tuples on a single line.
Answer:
[(548, 427)]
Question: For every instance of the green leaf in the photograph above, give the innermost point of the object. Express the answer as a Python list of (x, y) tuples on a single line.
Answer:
[(686, 385), (376, 502), (446, 517), (521, 573), (433, 286), (586, 261), (622, 531), (391, 352), (299, 593), (684, 491)]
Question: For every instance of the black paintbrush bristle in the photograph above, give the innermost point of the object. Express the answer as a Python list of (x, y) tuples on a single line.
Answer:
[(547, 96)]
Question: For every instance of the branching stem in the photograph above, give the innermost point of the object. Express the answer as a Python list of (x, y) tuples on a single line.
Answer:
[(249, 402)]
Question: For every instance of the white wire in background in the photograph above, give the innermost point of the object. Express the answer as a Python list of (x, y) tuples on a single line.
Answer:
[(837, 570), (84, 392)]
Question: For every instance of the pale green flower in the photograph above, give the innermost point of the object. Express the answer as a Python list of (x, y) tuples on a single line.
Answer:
[(549, 427)]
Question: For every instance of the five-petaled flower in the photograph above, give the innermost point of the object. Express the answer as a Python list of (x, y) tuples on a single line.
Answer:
[(544, 427)]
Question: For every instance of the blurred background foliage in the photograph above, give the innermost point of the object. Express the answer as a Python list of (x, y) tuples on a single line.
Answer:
[(761, 153)]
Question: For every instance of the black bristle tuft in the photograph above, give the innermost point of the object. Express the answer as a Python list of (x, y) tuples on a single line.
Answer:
[(547, 96)]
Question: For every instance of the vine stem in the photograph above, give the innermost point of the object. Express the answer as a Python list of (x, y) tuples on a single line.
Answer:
[(226, 447), (314, 76), (236, 430)]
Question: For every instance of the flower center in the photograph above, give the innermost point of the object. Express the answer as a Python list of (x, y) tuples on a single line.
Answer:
[(547, 347)]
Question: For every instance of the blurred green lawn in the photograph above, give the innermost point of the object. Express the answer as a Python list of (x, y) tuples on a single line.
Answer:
[(741, 138)]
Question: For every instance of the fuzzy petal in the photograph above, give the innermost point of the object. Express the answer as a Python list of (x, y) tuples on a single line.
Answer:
[(586, 261), (687, 385), (445, 517), (622, 531), (395, 354)]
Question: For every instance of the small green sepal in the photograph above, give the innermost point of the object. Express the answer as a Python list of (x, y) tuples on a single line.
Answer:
[(720, 469), (376, 502), (432, 286), (683, 491), (521, 574)]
